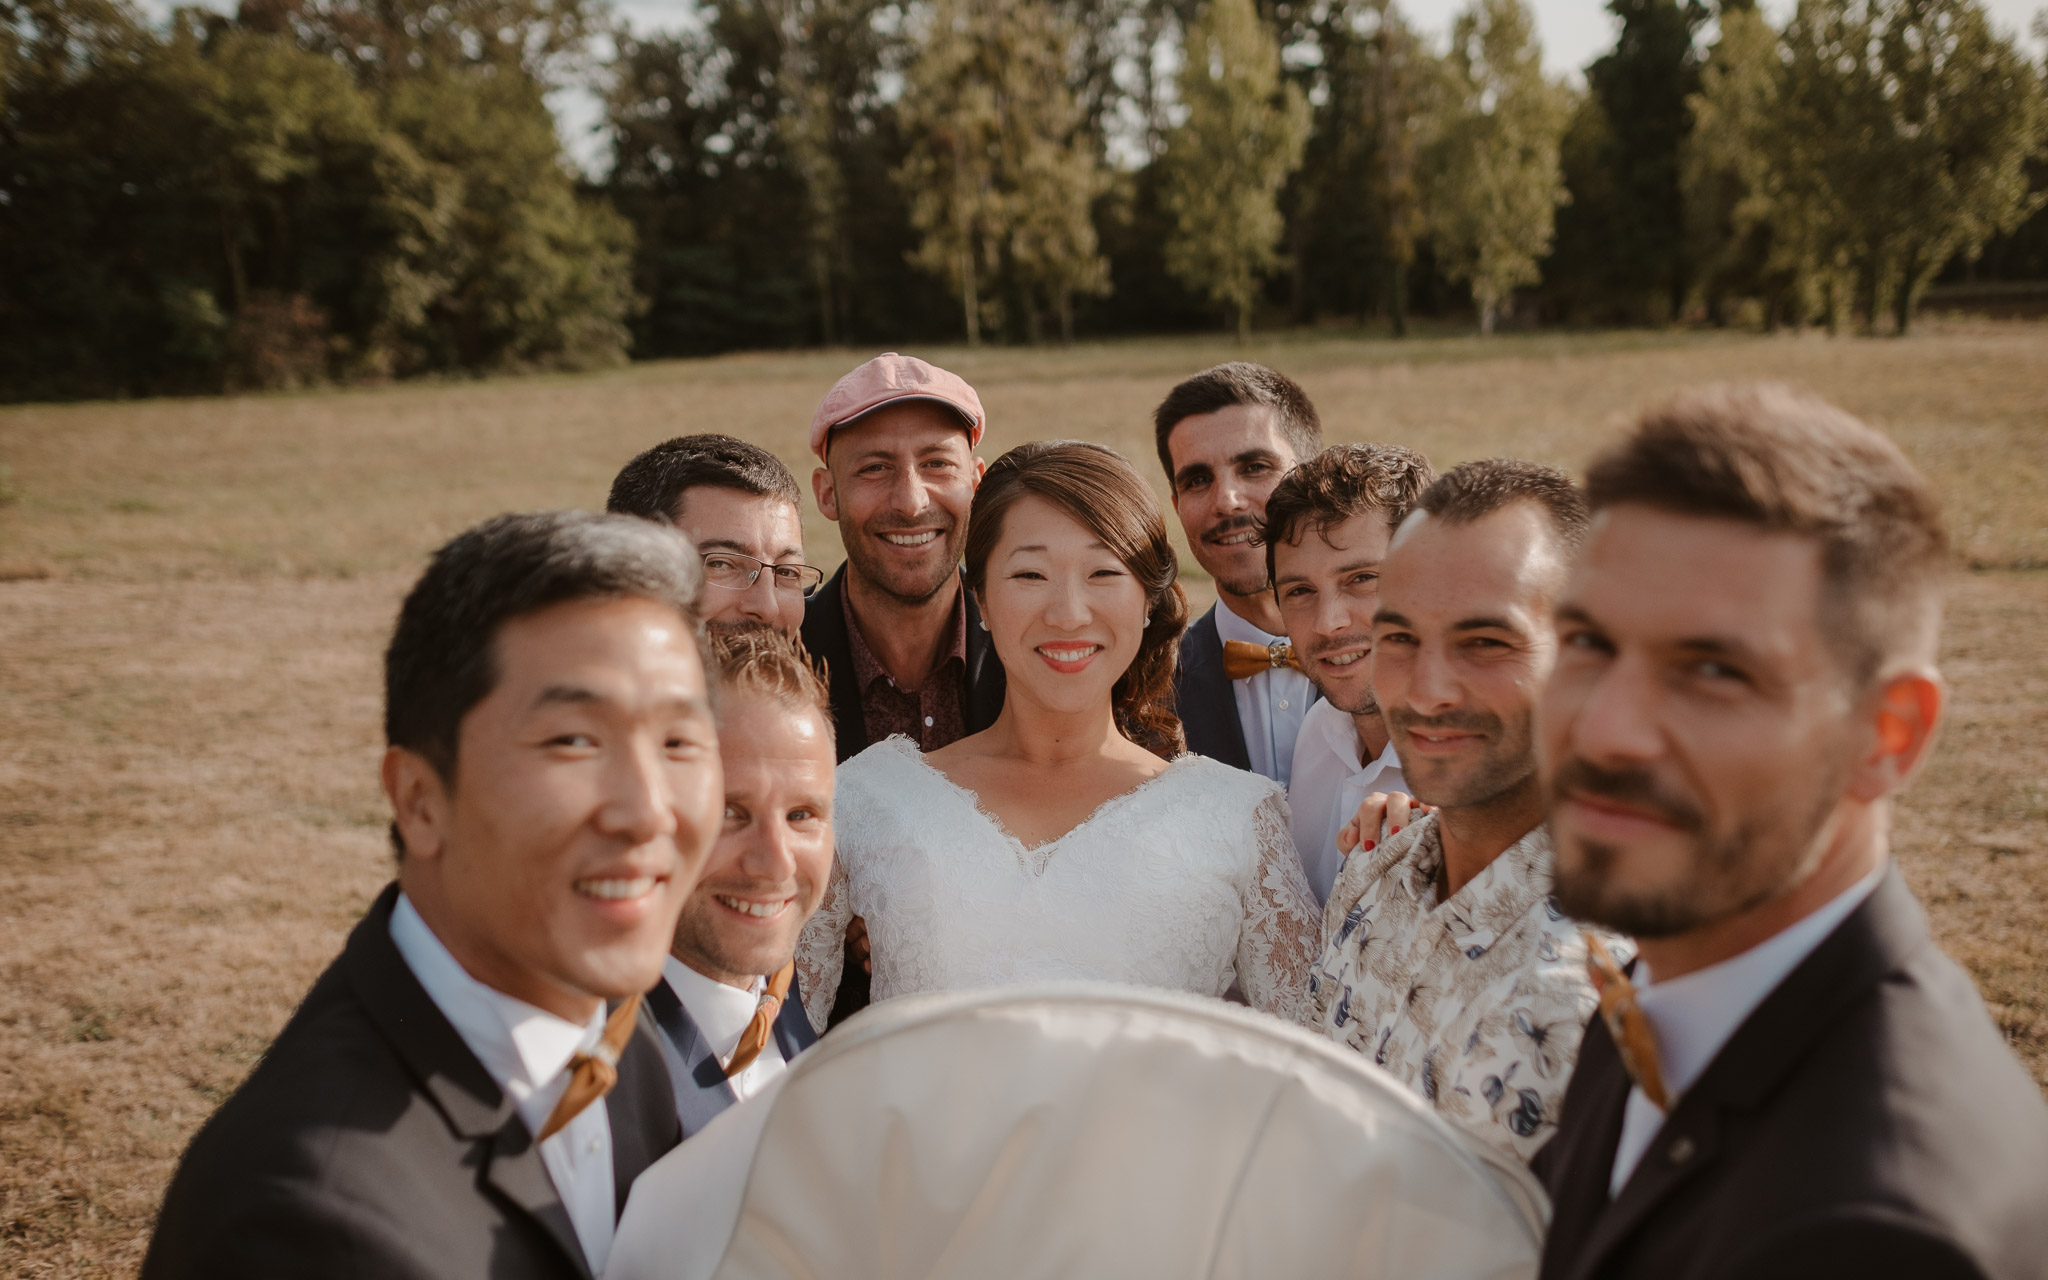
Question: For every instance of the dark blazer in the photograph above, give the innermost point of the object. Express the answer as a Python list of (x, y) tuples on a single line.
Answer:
[(1203, 698), (371, 1142), (700, 1088), (825, 636), (1867, 1120)]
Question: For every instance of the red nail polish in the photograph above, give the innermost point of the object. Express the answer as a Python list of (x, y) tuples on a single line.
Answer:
[(1366, 847), (1395, 832)]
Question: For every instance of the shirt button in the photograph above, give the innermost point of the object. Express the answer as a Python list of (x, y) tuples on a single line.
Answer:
[(1681, 1150), (591, 1150), (927, 722), (1283, 704)]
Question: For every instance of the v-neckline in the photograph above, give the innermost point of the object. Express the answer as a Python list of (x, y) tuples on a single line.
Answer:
[(1034, 857)]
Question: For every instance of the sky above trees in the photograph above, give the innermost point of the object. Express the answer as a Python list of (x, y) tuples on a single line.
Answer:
[(1573, 33)]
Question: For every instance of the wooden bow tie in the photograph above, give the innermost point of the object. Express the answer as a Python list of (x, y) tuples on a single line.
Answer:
[(1626, 1022), (755, 1037), (1242, 659), (592, 1075)]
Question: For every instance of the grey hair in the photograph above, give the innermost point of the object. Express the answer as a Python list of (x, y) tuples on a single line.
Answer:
[(442, 658)]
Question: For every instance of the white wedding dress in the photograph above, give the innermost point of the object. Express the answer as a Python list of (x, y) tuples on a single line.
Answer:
[(1188, 882)]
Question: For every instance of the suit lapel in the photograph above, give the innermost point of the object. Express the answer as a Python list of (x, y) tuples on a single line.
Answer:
[(450, 1075), (1574, 1164), (1885, 931), (793, 1033), (831, 650), (987, 682), (515, 1169), (701, 1091), (1204, 699), (642, 1109)]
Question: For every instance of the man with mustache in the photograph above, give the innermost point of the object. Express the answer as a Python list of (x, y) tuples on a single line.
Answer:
[(1793, 1081), (741, 509), (1225, 437), (1326, 532), (895, 632), (728, 1005), (1445, 961)]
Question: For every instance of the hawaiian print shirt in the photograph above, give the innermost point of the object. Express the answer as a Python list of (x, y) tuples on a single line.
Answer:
[(1476, 1003)]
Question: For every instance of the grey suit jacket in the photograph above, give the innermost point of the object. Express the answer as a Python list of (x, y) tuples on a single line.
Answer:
[(1203, 698), (700, 1088), (371, 1142), (1867, 1120)]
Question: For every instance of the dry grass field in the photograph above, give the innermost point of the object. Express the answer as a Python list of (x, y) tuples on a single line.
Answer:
[(194, 596)]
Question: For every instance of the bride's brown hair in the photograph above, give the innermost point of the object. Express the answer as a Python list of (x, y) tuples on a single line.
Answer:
[(1104, 493)]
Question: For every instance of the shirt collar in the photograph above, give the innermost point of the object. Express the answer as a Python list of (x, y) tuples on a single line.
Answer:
[(1695, 1014), (1503, 889), (523, 1047), (1231, 627), (867, 668), (720, 1012)]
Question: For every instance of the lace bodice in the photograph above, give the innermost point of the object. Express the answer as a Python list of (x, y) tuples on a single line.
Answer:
[(1188, 882)]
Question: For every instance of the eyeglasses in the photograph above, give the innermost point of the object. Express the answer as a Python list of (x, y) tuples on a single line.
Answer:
[(735, 572)]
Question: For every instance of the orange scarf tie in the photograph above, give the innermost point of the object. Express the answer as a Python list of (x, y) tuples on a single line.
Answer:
[(592, 1075)]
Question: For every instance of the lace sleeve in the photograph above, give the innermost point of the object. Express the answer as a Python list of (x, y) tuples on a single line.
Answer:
[(1283, 931), (821, 949)]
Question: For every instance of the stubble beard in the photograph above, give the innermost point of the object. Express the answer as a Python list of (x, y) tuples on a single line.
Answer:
[(1727, 875), (892, 580), (1507, 766), (697, 938), (1370, 705)]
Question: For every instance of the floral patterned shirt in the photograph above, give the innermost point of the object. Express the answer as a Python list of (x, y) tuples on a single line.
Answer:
[(1476, 1003)]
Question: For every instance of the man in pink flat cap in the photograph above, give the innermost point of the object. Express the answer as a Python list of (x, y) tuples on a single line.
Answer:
[(895, 628)]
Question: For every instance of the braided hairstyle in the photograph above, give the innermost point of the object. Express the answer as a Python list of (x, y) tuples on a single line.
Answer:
[(1102, 492)]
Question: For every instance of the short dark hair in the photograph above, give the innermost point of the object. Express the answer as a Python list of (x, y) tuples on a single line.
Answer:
[(1245, 383), (763, 660), (1787, 461), (652, 485), (442, 659), (1473, 490), (1343, 481)]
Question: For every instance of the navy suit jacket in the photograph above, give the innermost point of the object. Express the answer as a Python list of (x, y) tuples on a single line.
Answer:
[(693, 1070), (1867, 1120), (1203, 698)]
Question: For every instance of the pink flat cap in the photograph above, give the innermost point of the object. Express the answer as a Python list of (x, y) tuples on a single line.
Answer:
[(888, 379)]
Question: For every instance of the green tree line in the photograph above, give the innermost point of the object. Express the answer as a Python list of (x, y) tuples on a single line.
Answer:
[(306, 191)]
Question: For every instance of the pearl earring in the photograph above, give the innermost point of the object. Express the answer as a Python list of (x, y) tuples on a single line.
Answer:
[(1148, 619), (983, 622)]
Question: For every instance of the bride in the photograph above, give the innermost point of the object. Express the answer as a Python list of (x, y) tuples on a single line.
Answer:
[(1073, 838)]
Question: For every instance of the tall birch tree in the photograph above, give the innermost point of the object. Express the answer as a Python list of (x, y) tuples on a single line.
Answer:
[(1227, 161)]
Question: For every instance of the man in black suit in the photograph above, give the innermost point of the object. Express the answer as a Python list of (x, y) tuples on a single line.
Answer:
[(1225, 437), (453, 1098), (896, 631), (1793, 1081), (729, 1006)]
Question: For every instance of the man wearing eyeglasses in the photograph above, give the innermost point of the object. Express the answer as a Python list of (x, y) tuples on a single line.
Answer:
[(742, 509)]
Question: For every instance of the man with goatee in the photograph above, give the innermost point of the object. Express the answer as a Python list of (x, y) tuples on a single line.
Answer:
[(1793, 1081)]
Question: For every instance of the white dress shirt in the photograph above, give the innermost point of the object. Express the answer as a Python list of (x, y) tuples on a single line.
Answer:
[(1329, 781), (1693, 1015), (526, 1050), (722, 1014), (1270, 705)]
